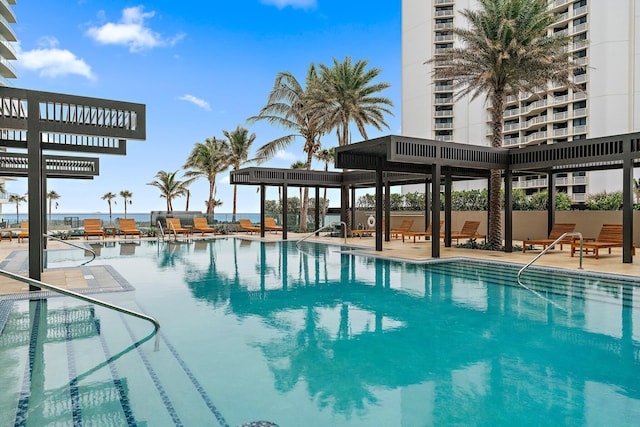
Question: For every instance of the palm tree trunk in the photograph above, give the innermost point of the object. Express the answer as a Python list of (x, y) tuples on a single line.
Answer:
[(235, 196), (212, 186), (495, 180)]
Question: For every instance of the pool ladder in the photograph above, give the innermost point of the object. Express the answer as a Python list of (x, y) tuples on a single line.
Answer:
[(344, 227), (544, 251)]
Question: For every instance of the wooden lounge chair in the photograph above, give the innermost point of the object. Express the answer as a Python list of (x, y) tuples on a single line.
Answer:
[(270, 224), (128, 226), (93, 227), (404, 227), (427, 233), (556, 231), (200, 225), (24, 231), (174, 226), (469, 231), (4, 228), (245, 225), (610, 237)]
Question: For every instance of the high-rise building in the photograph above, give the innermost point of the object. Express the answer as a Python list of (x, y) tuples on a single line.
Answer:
[(7, 37), (605, 39)]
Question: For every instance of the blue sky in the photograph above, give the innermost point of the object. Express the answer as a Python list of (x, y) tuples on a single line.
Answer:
[(200, 67)]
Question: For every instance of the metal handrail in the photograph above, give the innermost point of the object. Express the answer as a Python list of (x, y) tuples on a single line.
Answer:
[(161, 230), (82, 297), (323, 227), (84, 248), (544, 251)]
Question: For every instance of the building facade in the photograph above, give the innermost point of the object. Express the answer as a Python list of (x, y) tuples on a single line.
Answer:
[(605, 39), (7, 56)]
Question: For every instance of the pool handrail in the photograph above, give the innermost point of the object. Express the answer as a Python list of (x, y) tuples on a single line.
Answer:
[(72, 294), (161, 234), (544, 251), (84, 248), (323, 227)]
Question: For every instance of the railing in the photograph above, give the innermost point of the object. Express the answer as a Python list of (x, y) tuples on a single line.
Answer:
[(161, 233), (547, 249), (344, 228), (84, 248), (72, 294)]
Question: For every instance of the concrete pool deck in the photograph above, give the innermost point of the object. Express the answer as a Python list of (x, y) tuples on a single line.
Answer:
[(14, 254)]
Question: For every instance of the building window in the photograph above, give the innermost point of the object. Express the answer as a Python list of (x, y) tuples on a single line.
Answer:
[(579, 4), (582, 121)]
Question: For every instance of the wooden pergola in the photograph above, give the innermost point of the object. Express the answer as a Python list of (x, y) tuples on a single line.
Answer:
[(397, 160), (37, 122)]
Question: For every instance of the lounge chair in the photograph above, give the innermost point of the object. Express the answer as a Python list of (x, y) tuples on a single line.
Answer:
[(556, 231), (270, 224), (245, 225), (93, 227), (610, 237), (174, 226), (4, 228), (427, 233), (24, 231), (128, 226), (200, 225), (469, 231), (404, 227)]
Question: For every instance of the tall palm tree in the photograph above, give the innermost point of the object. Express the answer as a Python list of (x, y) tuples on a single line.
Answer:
[(239, 142), (52, 195), (289, 106), (126, 195), (17, 199), (347, 94), (109, 196), (505, 49), (214, 204), (170, 187), (208, 159), (326, 155), (300, 165)]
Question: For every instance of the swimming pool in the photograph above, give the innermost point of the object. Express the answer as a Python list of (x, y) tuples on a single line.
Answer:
[(322, 336)]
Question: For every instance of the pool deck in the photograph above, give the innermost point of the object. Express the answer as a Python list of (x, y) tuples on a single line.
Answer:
[(13, 257)]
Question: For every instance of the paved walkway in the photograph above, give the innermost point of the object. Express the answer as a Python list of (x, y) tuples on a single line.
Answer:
[(13, 257)]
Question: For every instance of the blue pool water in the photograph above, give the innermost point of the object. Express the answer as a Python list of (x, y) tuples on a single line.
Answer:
[(321, 337)]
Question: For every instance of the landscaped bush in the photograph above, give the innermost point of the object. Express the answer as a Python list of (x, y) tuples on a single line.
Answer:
[(605, 201)]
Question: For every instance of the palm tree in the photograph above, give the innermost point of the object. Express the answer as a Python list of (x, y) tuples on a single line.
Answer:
[(109, 196), (126, 195), (214, 204), (505, 49), (239, 142), (300, 165), (52, 195), (347, 94), (289, 106), (326, 155), (17, 199), (208, 159), (170, 187)]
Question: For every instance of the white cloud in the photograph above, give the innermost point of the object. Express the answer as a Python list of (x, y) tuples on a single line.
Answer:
[(51, 61), (295, 4), (197, 101), (285, 155), (224, 180), (131, 31)]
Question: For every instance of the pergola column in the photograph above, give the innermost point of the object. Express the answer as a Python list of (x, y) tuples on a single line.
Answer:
[(508, 211), (379, 190), (551, 201), (435, 211), (427, 204), (387, 211), (627, 203), (447, 210), (262, 201), (317, 218), (285, 212), (34, 186)]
